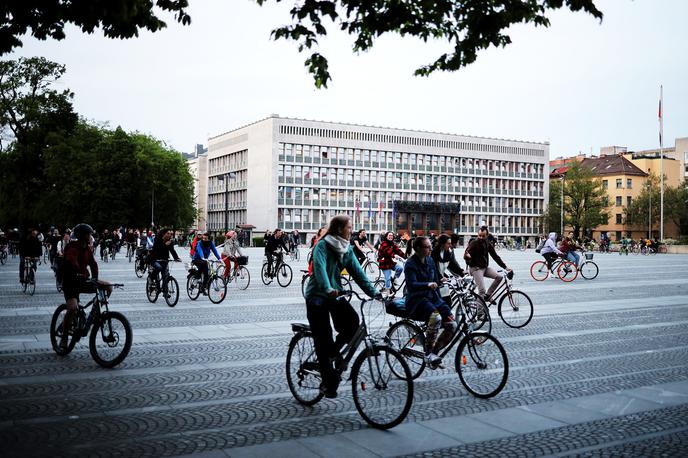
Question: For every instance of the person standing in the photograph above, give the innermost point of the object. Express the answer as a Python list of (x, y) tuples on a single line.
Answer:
[(477, 257)]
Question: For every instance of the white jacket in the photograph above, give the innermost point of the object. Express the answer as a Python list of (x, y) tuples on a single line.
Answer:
[(551, 245)]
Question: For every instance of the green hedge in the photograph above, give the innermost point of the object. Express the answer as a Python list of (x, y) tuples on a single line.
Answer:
[(258, 241)]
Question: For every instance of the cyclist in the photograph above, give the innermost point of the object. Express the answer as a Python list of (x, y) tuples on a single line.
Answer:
[(332, 254), (230, 251), (163, 247), (423, 301), (53, 239), (569, 247), (30, 247), (294, 240), (3, 241), (359, 241), (550, 251), (78, 258), (105, 240), (385, 258), (477, 257), (204, 247), (274, 246), (445, 260)]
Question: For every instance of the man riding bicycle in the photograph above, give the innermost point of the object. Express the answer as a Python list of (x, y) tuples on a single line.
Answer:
[(201, 255), (332, 254), (78, 257), (359, 242), (477, 256), (29, 248), (274, 247), (163, 247)]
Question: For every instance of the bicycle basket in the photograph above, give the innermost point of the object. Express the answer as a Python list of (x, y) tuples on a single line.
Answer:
[(242, 260), (588, 256), (396, 307)]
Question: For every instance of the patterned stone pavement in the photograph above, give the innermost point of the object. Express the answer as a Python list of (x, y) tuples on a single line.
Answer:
[(602, 370)]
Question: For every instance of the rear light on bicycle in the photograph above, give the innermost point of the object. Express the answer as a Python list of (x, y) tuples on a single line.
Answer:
[(413, 341), (464, 360), (363, 386)]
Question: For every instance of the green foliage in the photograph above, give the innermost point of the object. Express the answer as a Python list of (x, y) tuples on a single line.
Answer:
[(583, 200), (56, 169), (258, 241), (118, 19), (551, 219), (468, 26), (675, 206)]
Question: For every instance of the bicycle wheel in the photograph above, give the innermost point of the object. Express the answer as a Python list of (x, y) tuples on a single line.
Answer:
[(539, 271), (217, 289), (482, 365), (381, 398), (139, 268), (304, 284), (172, 293), (152, 290), (265, 278), (516, 309), (408, 339), (303, 371), (110, 339), (58, 285), (567, 271), (372, 270), (242, 278), (193, 287), (589, 270), (56, 330), (477, 312), (31, 287), (284, 275)]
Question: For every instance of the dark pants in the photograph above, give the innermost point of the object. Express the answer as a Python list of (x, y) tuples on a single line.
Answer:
[(272, 257), (203, 269), (550, 258), (346, 323)]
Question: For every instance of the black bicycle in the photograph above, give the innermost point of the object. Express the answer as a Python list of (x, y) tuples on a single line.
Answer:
[(514, 307), (216, 288), (480, 360), (29, 282), (111, 335), (381, 396), (140, 264), (3, 254), (306, 278), (280, 269), (131, 250), (168, 286)]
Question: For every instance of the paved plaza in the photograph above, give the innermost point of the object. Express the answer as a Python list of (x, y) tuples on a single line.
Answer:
[(602, 370)]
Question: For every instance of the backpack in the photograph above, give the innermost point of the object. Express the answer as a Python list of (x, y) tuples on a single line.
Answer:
[(540, 245)]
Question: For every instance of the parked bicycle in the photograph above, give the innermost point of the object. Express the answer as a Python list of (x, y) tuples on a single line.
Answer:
[(29, 283), (381, 396), (111, 335), (514, 307), (238, 274), (216, 286), (167, 285), (281, 270), (480, 359)]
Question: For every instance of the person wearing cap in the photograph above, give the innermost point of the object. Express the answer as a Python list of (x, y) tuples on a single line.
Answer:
[(230, 251)]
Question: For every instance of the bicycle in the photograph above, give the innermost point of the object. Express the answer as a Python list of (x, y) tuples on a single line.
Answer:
[(280, 269), (105, 254), (140, 264), (29, 283), (216, 288), (306, 277), (565, 270), (514, 307), (238, 273), (480, 360), (169, 286), (588, 268), (131, 250), (380, 396), (3, 254), (294, 253), (112, 327), (370, 266), (113, 251)]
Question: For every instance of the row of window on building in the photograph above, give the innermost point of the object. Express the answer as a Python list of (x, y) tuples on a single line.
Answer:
[(619, 183), (415, 160)]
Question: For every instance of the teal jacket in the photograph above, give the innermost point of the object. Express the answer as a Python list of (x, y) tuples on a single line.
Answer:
[(327, 272)]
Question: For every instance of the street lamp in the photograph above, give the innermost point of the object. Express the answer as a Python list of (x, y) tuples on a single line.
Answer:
[(561, 231)]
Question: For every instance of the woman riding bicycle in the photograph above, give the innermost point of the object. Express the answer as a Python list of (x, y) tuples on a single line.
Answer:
[(385, 258), (330, 255), (423, 302), (231, 251), (550, 251)]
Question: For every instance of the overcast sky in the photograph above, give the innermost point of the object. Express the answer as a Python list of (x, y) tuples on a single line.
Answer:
[(579, 84)]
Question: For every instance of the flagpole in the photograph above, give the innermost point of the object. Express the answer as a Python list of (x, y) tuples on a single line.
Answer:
[(661, 163)]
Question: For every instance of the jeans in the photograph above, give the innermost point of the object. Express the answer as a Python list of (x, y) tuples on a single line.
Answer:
[(388, 274), (159, 266), (573, 257)]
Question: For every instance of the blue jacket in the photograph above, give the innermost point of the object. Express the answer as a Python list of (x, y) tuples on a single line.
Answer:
[(204, 253), (418, 275)]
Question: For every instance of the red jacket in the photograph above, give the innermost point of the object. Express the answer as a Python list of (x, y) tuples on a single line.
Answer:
[(77, 258), (385, 254)]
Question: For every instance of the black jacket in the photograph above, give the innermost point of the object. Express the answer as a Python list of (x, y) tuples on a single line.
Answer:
[(30, 247), (161, 251), (440, 256), (480, 251)]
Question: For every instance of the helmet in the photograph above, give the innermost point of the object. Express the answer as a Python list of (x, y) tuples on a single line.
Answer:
[(82, 231)]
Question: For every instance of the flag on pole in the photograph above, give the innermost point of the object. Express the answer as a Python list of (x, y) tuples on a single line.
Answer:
[(358, 207), (370, 208), (380, 209), (661, 121)]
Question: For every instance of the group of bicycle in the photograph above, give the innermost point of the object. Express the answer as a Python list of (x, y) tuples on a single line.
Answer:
[(564, 258), (435, 307)]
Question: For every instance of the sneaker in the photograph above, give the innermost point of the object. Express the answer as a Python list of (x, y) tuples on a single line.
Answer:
[(433, 360), (329, 390), (488, 300)]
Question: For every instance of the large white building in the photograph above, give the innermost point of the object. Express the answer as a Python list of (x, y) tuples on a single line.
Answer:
[(296, 174)]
